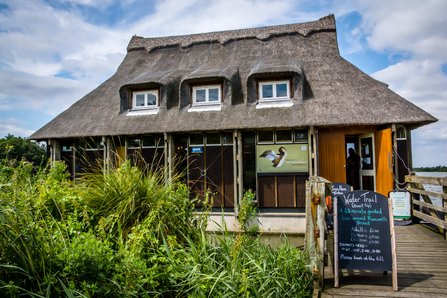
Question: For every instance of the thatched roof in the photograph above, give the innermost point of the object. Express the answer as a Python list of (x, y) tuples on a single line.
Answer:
[(328, 90)]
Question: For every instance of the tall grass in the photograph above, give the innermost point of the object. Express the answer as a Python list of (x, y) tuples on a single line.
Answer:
[(131, 233), (141, 203)]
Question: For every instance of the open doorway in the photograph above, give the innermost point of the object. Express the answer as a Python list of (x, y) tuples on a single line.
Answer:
[(360, 170), (352, 162)]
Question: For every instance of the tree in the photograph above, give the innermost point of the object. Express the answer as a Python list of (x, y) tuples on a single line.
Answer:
[(16, 148)]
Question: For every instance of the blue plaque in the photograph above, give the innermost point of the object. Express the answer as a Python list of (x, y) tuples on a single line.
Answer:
[(197, 149)]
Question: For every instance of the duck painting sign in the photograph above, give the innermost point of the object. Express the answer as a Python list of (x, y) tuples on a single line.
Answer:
[(282, 158)]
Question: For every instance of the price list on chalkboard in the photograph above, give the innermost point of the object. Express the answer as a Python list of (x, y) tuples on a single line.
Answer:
[(363, 231)]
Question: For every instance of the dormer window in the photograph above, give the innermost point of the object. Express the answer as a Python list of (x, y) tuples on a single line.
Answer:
[(147, 99), (274, 90), (274, 94), (210, 94), (206, 98), (145, 102)]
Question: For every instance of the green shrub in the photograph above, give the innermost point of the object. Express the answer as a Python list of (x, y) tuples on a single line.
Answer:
[(131, 233)]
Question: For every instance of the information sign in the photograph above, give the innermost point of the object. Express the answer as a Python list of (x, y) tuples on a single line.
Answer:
[(401, 203)]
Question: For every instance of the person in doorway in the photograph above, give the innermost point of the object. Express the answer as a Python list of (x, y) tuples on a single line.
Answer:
[(353, 167)]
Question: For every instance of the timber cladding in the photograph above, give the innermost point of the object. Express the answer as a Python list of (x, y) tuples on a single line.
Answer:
[(282, 191)]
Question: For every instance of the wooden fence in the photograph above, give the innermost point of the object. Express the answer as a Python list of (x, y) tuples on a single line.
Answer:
[(437, 213)]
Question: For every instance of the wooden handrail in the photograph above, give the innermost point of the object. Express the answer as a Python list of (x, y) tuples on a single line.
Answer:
[(416, 187), (441, 181), (427, 193)]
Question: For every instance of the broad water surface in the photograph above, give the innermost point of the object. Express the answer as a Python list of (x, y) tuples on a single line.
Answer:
[(433, 188)]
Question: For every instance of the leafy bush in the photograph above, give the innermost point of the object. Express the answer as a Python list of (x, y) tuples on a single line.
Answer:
[(131, 233)]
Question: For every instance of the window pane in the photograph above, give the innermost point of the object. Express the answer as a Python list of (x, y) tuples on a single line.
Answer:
[(301, 136), (200, 95), (151, 99), (148, 141), (133, 142), (213, 94), (159, 140), (284, 136), (281, 90), (267, 91), (213, 138), (91, 144), (139, 100), (401, 133), (265, 136), (196, 139), (228, 138)]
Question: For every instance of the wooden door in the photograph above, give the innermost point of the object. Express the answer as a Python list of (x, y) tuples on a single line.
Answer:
[(384, 165), (332, 156)]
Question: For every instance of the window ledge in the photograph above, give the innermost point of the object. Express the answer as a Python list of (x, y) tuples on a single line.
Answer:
[(205, 108), (274, 104), (142, 112)]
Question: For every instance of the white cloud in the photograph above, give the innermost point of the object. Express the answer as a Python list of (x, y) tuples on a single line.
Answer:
[(19, 91), (424, 84), (38, 42), (174, 17), (10, 126), (38, 39), (419, 27)]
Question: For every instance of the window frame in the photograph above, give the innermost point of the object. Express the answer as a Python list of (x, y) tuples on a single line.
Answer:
[(274, 83), (206, 88), (146, 106), (135, 138), (277, 141)]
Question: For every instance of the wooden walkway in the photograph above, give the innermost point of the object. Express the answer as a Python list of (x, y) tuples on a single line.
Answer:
[(421, 269)]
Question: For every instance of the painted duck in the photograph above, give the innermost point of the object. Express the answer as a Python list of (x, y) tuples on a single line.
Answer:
[(277, 159)]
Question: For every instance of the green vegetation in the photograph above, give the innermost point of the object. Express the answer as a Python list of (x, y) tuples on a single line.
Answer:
[(14, 149), (431, 169), (131, 233)]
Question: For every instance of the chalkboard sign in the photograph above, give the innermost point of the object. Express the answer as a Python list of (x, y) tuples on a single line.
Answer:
[(364, 241), (338, 188)]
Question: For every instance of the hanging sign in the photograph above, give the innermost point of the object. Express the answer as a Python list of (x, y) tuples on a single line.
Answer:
[(401, 203)]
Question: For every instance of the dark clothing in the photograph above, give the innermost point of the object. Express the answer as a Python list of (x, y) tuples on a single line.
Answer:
[(353, 168)]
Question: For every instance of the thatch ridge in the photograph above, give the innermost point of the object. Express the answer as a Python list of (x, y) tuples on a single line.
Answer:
[(261, 33)]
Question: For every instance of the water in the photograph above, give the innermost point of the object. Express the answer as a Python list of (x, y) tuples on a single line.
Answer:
[(433, 188)]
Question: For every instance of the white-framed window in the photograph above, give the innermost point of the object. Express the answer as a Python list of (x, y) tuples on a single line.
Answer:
[(133, 143), (147, 99), (274, 90), (266, 137), (206, 95), (284, 137)]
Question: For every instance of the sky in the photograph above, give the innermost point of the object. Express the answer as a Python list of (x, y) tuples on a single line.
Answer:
[(53, 52)]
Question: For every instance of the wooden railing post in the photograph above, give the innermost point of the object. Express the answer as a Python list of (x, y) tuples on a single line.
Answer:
[(317, 190)]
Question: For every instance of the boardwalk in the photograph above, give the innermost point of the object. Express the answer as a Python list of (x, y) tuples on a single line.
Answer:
[(421, 269)]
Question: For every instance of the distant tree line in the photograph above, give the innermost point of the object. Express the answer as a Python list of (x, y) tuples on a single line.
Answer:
[(18, 148), (431, 169)]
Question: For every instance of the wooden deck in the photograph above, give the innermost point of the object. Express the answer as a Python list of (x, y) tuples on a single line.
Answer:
[(421, 269)]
